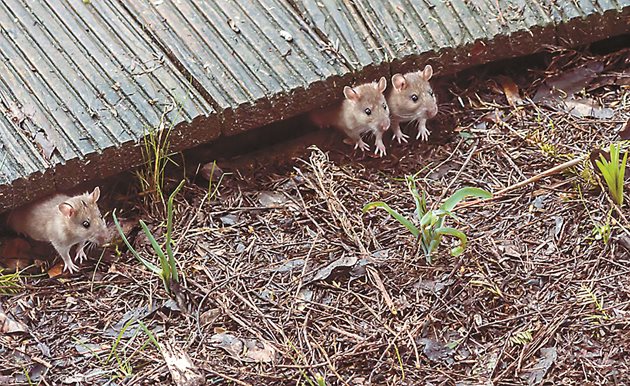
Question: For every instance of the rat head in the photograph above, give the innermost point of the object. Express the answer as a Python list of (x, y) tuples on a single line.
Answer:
[(368, 106), (83, 219), (412, 96)]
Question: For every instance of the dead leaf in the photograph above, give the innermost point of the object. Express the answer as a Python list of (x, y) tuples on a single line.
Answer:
[(183, 371), (290, 266), (584, 107), (210, 316), (10, 326), (211, 171), (537, 371), (568, 83), (246, 350), (510, 89), (346, 261), (436, 351), (272, 199), (56, 270)]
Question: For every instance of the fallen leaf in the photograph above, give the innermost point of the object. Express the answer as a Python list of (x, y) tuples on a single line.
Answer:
[(272, 199), (229, 219), (211, 171), (436, 351), (568, 83), (510, 89), (290, 265), (210, 316), (346, 261), (183, 371), (46, 146), (10, 326), (537, 371), (56, 270), (247, 350), (584, 107)]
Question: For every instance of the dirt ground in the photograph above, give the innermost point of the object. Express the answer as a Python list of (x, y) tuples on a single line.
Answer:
[(286, 282)]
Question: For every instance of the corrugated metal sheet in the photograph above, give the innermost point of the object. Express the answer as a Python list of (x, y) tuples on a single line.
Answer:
[(85, 78)]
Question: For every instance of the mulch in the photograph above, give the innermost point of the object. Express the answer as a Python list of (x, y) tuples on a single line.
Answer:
[(286, 282)]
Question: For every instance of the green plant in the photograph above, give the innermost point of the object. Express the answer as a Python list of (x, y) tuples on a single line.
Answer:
[(125, 368), (168, 265), (156, 155), (521, 337), (587, 296), (9, 283), (613, 172), (429, 227)]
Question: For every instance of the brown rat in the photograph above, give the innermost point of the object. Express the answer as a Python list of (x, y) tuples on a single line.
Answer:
[(363, 110), (63, 221), (411, 99)]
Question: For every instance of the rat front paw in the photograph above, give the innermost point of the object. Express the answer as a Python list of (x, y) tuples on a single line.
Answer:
[(400, 136), (380, 149), (70, 267), (424, 133), (362, 145)]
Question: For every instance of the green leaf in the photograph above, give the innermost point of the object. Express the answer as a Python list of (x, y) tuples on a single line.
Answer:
[(156, 247), (455, 233), (152, 267), (420, 201), (400, 218), (462, 193), (169, 229)]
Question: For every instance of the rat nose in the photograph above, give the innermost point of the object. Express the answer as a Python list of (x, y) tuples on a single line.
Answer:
[(384, 125), (432, 112)]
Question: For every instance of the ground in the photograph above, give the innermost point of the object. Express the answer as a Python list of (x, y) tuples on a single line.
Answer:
[(284, 262)]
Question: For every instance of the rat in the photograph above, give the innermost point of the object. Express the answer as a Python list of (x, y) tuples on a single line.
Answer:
[(63, 221), (411, 99), (364, 110)]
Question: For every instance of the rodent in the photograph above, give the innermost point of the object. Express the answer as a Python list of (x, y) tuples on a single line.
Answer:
[(63, 221), (410, 99), (363, 110)]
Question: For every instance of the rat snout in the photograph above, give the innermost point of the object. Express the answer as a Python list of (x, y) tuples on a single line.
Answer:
[(384, 125), (432, 112)]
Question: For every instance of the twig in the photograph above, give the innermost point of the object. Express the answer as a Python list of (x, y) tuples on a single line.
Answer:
[(546, 173)]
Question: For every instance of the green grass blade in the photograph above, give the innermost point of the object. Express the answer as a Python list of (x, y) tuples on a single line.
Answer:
[(169, 230), (152, 267), (418, 200), (156, 247), (462, 193), (400, 218), (455, 233)]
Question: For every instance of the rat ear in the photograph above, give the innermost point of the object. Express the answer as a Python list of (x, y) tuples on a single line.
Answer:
[(351, 93), (96, 194), (66, 209), (382, 84), (399, 82), (427, 73)]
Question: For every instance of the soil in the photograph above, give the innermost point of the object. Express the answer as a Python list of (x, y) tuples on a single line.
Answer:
[(285, 281)]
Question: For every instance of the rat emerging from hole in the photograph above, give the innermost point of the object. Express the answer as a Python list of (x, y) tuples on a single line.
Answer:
[(411, 99), (364, 110), (63, 221)]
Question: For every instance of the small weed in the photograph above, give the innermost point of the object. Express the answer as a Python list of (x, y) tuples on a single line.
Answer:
[(213, 190), (123, 361), (430, 223), (156, 154), (167, 270), (521, 337), (613, 172), (9, 283), (587, 296)]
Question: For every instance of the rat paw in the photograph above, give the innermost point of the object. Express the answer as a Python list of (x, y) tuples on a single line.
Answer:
[(424, 133), (70, 267), (380, 150), (362, 145), (401, 137)]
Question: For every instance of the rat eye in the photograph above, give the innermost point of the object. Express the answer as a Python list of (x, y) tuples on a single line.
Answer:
[(385, 106), (430, 92), (86, 224), (368, 111), (414, 98)]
